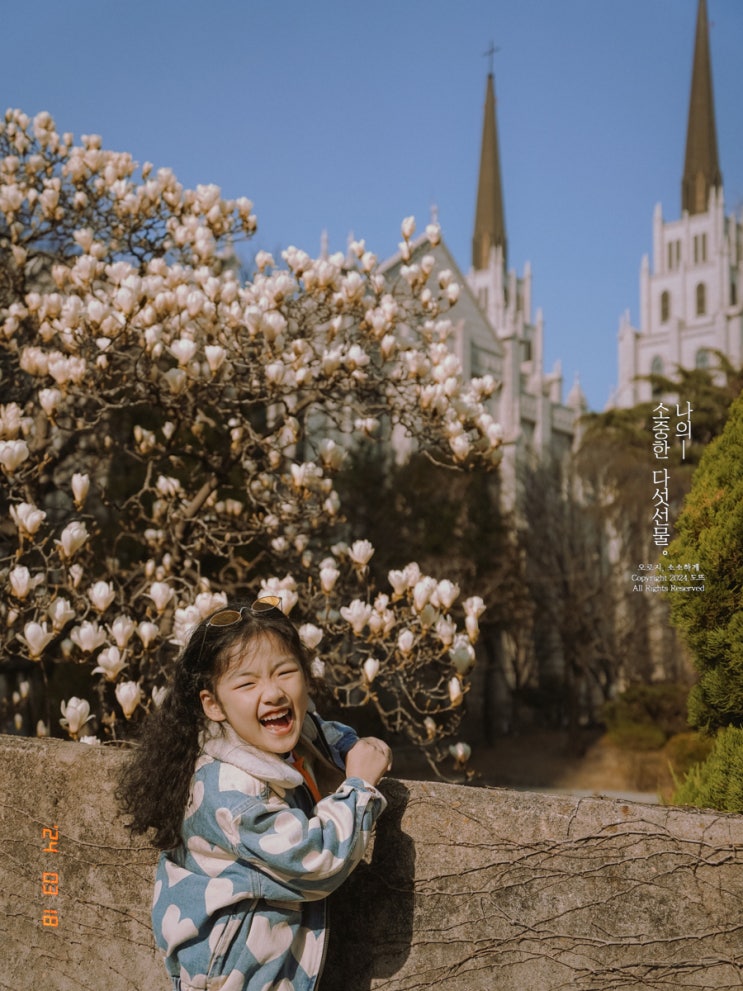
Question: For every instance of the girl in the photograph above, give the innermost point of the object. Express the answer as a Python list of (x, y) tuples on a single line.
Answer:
[(259, 807)]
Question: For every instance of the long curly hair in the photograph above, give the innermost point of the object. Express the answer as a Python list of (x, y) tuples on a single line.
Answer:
[(154, 783)]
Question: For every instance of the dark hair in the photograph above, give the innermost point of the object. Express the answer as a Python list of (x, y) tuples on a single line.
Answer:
[(154, 783)]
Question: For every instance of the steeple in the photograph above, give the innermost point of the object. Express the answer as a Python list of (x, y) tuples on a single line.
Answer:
[(490, 222), (701, 164)]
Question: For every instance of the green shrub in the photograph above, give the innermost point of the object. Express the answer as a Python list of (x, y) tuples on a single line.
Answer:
[(637, 736), (644, 716), (716, 783), (684, 750)]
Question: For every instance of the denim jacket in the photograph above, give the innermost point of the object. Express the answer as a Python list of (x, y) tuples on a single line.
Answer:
[(239, 905)]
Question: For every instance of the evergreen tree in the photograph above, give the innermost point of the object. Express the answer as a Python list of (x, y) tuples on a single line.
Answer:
[(710, 533), (717, 783)]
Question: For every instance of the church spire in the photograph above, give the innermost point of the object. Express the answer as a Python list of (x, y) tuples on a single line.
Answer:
[(701, 164), (490, 222)]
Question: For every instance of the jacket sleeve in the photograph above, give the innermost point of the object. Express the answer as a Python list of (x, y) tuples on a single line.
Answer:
[(339, 737), (301, 857)]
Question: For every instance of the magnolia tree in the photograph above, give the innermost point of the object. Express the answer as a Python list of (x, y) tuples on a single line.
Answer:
[(169, 438)]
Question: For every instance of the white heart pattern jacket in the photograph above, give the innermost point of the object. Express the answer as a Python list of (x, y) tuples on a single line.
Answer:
[(239, 905)]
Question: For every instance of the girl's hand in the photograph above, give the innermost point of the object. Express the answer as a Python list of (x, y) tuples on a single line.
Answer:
[(369, 758)]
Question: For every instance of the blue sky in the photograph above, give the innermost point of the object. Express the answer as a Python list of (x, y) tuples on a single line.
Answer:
[(347, 116)]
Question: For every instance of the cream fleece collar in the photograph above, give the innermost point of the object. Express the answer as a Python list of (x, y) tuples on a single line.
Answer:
[(221, 742)]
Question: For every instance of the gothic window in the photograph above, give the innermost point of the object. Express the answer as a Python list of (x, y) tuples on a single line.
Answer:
[(700, 248), (476, 368), (674, 255), (701, 299), (733, 294), (702, 358), (665, 306), (656, 368)]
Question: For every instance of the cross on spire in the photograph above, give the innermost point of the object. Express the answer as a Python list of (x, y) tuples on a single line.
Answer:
[(489, 55)]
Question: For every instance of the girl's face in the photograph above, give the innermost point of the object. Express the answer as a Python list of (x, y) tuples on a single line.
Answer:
[(262, 695)]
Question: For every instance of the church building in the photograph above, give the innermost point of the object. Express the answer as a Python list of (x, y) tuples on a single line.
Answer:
[(495, 330), (690, 298)]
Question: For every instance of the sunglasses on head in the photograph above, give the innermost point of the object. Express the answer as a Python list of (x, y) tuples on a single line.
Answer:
[(230, 617)]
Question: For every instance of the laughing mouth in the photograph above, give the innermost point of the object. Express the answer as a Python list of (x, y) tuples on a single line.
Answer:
[(278, 720)]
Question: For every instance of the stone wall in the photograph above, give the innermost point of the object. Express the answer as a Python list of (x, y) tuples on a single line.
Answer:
[(466, 889)]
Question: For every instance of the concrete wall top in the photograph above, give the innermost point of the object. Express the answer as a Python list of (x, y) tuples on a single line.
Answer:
[(467, 889)]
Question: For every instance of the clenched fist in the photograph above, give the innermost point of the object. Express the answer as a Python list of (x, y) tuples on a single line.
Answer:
[(369, 758)]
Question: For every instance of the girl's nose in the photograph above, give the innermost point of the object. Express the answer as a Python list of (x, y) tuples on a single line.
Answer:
[(273, 691)]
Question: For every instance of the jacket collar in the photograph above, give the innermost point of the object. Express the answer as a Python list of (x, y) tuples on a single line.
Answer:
[(221, 742)]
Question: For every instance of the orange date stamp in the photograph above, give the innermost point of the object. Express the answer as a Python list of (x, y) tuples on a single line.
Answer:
[(49, 878)]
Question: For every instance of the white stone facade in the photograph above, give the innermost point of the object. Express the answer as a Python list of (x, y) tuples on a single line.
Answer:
[(690, 301)]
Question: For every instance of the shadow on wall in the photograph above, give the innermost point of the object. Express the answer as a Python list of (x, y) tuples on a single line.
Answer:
[(547, 891), (377, 899)]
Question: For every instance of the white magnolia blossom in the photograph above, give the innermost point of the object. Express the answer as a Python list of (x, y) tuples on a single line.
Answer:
[(398, 580), (22, 583), (36, 638), (161, 593), (216, 356), (331, 454), (422, 591), (474, 606), (382, 620), (12, 454), (428, 615), (285, 588), (446, 593), (27, 517), (461, 752), (75, 572), (462, 654), (158, 695), (329, 575), (361, 552), (208, 602), (183, 350), (243, 379), (185, 621), (80, 488), (72, 538), (129, 695), (310, 635), (60, 612), (356, 615), (407, 227), (11, 414), (110, 663), (405, 641), (473, 628), (446, 628), (168, 487), (88, 636), (101, 595), (75, 712), (121, 630), (148, 632)]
